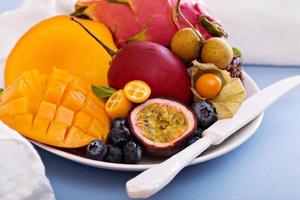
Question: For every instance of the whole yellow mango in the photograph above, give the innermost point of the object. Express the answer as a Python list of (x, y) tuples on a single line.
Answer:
[(60, 42)]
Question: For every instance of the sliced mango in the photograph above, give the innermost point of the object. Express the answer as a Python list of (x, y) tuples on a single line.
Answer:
[(15, 106), (47, 110), (54, 92), (74, 135), (56, 133), (75, 95), (95, 128), (82, 121), (64, 115), (40, 126), (23, 122), (57, 109)]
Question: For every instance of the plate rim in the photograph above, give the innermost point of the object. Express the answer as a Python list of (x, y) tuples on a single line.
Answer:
[(142, 167)]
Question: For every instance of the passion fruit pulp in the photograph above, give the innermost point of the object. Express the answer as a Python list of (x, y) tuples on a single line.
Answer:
[(162, 126)]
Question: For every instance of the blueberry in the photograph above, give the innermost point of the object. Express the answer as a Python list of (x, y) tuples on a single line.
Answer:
[(193, 139), (205, 113), (114, 154), (132, 152), (118, 122), (198, 132), (119, 136), (96, 150)]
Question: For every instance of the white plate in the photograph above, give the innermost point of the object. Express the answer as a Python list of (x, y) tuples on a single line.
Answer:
[(231, 143)]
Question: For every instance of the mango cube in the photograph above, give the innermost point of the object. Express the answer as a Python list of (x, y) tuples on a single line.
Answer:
[(82, 121), (64, 115), (57, 109), (47, 110)]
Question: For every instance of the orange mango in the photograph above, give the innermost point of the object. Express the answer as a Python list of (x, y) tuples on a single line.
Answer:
[(58, 109), (60, 42)]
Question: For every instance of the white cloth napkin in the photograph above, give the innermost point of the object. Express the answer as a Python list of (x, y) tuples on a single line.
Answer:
[(22, 173), (18, 21)]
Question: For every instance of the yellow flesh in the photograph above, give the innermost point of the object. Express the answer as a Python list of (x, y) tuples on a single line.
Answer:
[(58, 110), (161, 123)]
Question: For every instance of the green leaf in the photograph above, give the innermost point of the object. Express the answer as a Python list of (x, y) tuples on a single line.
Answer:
[(103, 91), (1, 90), (236, 52)]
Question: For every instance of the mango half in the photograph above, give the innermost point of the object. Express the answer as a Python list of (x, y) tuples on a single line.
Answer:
[(60, 42), (57, 109)]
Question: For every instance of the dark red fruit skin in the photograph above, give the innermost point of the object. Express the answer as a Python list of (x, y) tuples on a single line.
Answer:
[(168, 150), (154, 64)]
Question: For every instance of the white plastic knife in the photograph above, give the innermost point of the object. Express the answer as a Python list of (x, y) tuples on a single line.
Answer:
[(154, 179)]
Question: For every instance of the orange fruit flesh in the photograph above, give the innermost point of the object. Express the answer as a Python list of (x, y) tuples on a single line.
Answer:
[(209, 85), (137, 91), (118, 105), (59, 110)]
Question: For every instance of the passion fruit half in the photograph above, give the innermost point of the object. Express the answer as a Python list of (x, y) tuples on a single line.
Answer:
[(162, 126)]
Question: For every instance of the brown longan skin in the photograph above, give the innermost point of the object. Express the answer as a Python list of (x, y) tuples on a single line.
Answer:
[(217, 51), (186, 44)]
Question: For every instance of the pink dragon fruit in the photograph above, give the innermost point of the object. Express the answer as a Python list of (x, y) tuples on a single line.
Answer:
[(153, 20)]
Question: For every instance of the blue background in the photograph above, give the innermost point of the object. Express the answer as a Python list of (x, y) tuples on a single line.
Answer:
[(266, 167)]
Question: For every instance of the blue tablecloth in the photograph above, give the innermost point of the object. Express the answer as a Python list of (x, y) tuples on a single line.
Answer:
[(265, 167)]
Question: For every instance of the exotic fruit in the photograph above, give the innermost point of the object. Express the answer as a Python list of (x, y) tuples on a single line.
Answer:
[(162, 126), (186, 44), (59, 110), (155, 65), (131, 20), (217, 51), (59, 42), (151, 63)]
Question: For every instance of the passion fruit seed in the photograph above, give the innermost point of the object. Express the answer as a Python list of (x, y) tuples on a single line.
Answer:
[(209, 85), (217, 51), (161, 123), (186, 44), (162, 126)]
